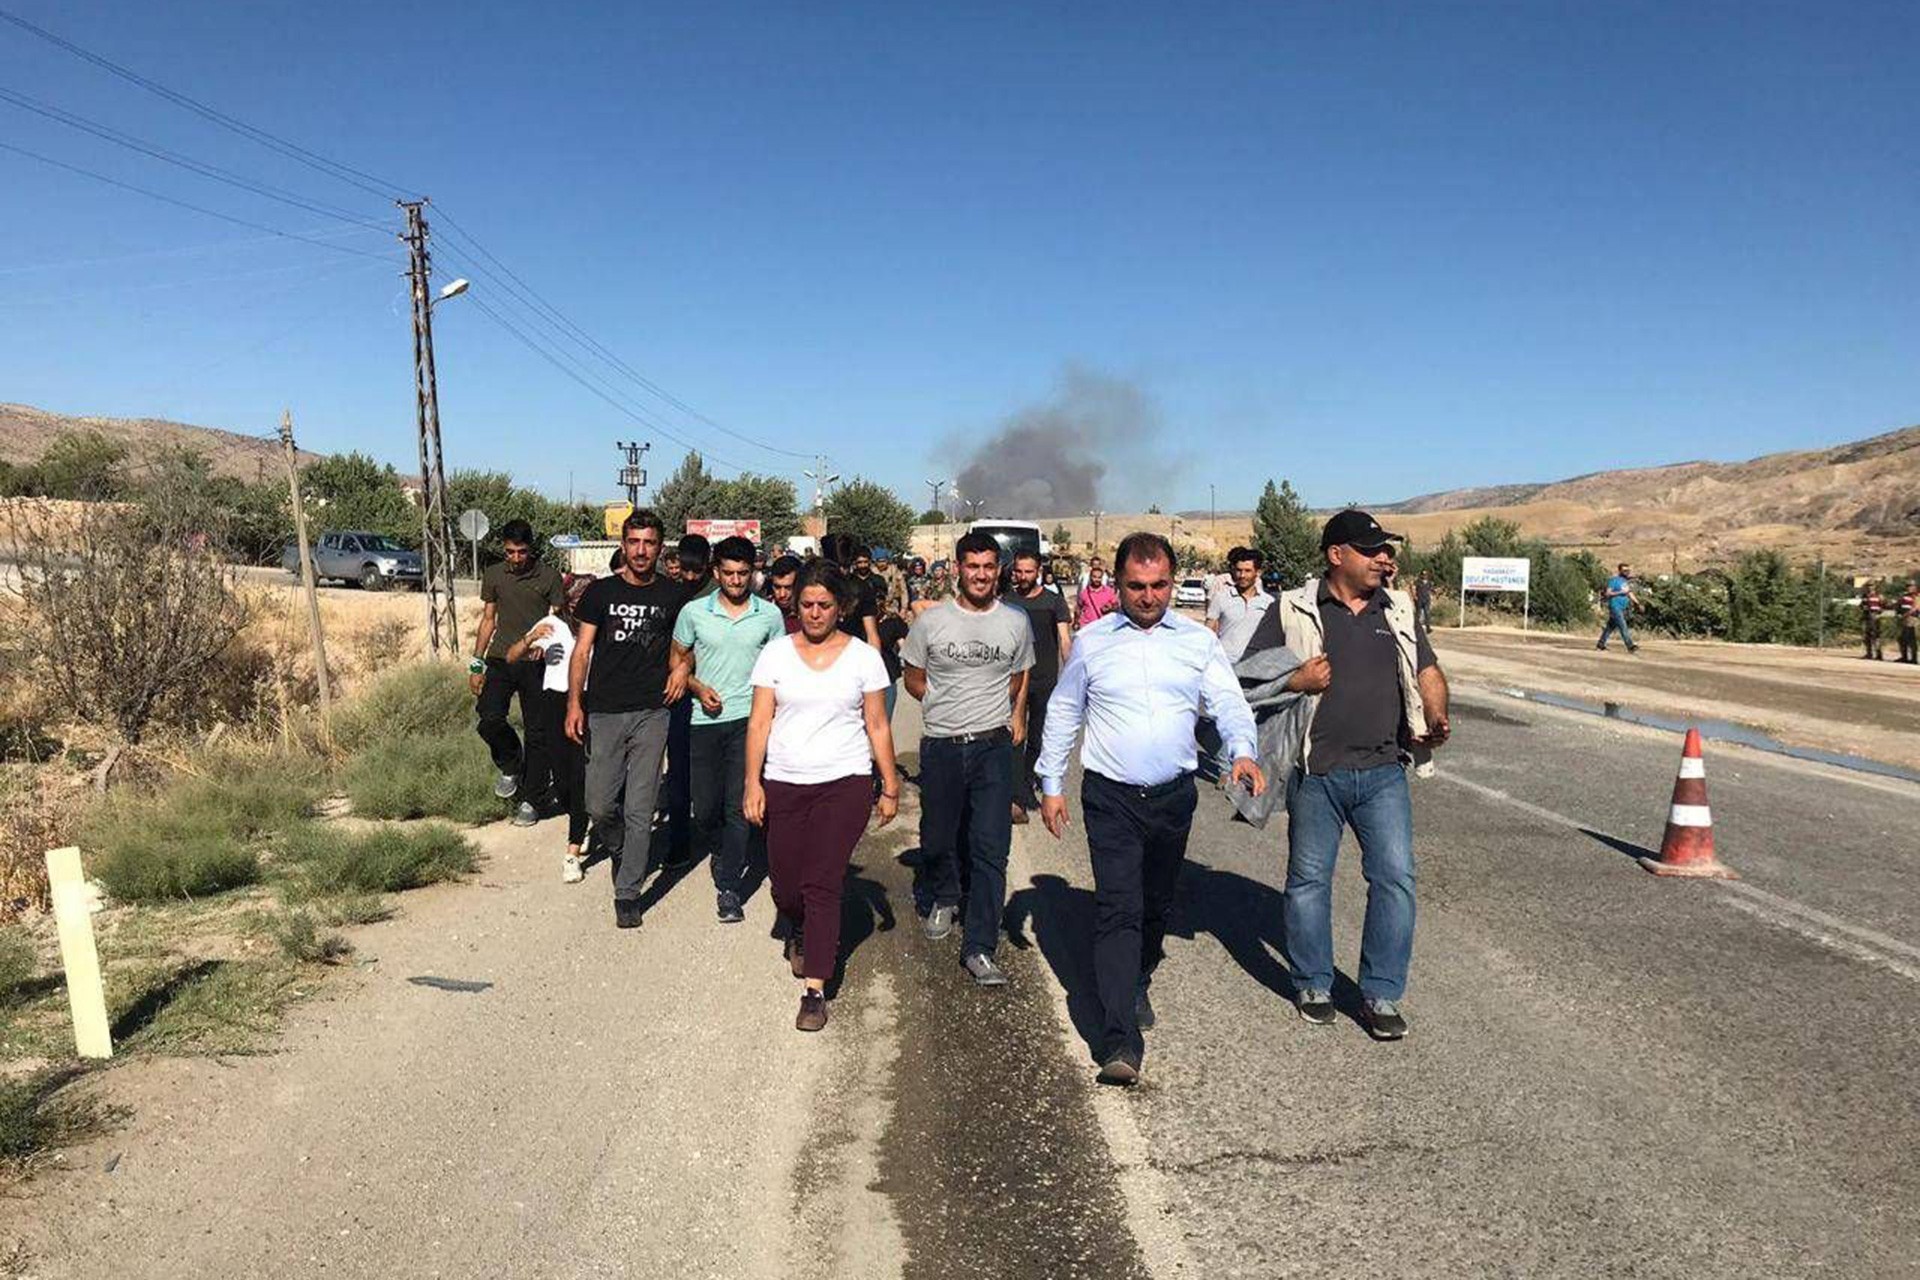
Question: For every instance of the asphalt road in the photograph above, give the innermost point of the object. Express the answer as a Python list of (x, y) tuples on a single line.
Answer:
[(1608, 1073)]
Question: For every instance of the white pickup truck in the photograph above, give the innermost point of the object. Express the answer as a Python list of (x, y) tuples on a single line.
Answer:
[(372, 560)]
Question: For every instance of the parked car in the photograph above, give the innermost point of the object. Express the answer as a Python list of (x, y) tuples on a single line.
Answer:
[(1191, 593), (372, 560)]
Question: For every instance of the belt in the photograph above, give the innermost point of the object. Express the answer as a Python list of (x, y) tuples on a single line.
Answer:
[(1149, 792), (1001, 734)]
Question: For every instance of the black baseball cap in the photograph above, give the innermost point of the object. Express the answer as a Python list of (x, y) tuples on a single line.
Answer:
[(1353, 528)]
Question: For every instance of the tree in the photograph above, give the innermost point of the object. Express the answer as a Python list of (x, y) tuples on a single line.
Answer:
[(83, 465), (932, 515), (127, 613), (1061, 537), (1153, 508), (495, 494), (682, 496), (768, 499), (352, 491), (871, 513), (1285, 535)]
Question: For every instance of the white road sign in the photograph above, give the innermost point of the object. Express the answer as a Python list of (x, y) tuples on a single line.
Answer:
[(1495, 573)]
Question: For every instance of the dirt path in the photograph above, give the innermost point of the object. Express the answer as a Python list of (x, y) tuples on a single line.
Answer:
[(609, 1103), (1829, 699)]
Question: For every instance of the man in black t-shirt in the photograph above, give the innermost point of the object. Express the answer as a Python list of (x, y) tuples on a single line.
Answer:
[(622, 684), (1052, 624)]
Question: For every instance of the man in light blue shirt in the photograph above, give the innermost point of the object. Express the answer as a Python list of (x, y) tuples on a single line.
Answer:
[(1137, 681), (718, 637)]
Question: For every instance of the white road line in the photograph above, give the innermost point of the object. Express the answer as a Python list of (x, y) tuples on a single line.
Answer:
[(1854, 941)]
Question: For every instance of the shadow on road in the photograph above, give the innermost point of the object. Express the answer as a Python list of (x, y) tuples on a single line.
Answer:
[(1241, 913), (865, 909)]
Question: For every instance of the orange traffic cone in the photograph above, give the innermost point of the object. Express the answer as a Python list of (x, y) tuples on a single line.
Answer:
[(1687, 849)]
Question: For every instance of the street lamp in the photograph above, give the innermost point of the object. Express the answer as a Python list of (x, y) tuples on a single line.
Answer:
[(1096, 530), (822, 481), (452, 289)]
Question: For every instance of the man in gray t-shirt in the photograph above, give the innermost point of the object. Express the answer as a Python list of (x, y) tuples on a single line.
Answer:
[(966, 659)]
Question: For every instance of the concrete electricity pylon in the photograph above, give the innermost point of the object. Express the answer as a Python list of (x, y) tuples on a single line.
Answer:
[(633, 475), (436, 526)]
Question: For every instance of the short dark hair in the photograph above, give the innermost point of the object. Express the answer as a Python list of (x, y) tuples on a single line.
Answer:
[(971, 543), (1238, 554), (737, 549), (693, 553), (518, 532), (642, 519), (825, 573), (783, 566), (617, 559), (1142, 548), (1027, 553)]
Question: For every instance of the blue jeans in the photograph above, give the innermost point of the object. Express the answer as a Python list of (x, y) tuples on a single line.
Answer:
[(966, 792), (1375, 803), (1616, 622)]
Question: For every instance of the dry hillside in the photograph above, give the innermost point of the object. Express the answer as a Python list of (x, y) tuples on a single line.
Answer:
[(1857, 505), (25, 433)]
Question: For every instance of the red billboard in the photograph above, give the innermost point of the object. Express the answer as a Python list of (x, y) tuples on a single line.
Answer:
[(714, 530)]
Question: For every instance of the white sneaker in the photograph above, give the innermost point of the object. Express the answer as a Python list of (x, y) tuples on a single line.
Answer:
[(571, 871)]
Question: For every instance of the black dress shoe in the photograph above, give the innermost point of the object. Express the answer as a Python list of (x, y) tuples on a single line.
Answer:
[(626, 914)]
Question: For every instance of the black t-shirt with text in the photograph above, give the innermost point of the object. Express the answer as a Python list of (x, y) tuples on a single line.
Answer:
[(632, 642), (1045, 613)]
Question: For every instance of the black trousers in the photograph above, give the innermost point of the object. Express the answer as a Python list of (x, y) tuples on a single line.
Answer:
[(504, 680), (717, 777), (676, 795), (1137, 837), (569, 794), (1026, 755)]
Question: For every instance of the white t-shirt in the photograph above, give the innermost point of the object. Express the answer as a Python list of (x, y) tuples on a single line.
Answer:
[(556, 643), (819, 726)]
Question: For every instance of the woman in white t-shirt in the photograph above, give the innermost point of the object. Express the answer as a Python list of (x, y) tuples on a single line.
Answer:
[(817, 730)]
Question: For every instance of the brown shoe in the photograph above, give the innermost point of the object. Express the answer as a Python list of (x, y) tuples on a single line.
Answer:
[(813, 1012), (796, 961), (1019, 816)]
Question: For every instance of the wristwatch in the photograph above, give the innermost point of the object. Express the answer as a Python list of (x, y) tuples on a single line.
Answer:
[(477, 667)]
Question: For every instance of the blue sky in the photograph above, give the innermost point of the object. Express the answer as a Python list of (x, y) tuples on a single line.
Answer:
[(1379, 249)]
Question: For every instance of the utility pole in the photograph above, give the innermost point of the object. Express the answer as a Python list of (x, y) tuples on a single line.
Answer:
[(1820, 606), (933, 501), (633, 475), (1096, 531), (822, 478), (314, 629), (436, 530), (1213, 518)]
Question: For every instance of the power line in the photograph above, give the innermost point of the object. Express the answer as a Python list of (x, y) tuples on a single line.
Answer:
[(181, 251), (196, 208), (312, 159), (540, 304), (157, 152), (559, 363)]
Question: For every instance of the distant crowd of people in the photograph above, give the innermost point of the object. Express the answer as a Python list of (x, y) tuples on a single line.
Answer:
[(696, 700)]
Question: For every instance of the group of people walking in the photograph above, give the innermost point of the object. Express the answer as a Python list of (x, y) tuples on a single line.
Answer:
[(787, 694)]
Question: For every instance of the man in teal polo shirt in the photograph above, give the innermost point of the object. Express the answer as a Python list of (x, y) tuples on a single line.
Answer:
[(717, 638)]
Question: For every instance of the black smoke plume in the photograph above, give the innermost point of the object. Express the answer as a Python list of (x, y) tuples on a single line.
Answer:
[(1056, 458)]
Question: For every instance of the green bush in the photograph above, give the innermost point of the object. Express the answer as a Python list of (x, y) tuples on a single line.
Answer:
[(298, 935), (385, 860), (196, 838), (353, 907), (218, 1007), (422, 699), (447, 775)]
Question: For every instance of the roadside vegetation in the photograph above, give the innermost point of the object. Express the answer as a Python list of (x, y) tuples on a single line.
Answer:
[(237, 838)]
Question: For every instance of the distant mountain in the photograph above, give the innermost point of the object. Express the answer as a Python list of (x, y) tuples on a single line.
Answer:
[(25, 432), (1872, 486)]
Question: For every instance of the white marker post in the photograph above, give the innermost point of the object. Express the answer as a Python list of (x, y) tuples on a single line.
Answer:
[(74, 902)]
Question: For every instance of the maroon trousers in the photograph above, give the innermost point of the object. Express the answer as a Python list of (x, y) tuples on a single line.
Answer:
[(811, 832)]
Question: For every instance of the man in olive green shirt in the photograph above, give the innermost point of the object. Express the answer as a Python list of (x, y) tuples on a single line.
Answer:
[(514, 595)]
